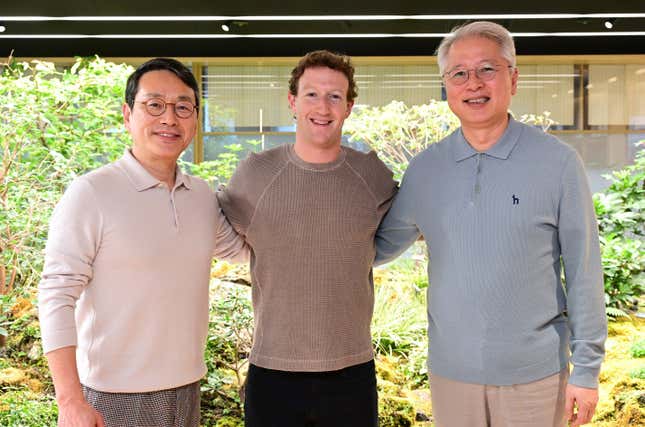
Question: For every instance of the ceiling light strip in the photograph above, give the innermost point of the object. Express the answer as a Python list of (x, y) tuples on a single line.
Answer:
[(304, 36), (324, 17)]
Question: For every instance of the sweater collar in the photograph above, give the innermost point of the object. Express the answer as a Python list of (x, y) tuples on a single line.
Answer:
[(141, 179), (500, 150)]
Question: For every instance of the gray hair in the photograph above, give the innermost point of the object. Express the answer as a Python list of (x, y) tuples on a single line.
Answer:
[(485, 29)]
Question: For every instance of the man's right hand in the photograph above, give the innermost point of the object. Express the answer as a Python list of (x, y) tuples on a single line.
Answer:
[(78, 413)]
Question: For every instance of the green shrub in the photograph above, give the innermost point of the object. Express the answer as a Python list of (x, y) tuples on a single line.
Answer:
[(638, 373), (230, 334), (56, 124), (621, 220), (27, 409), (638, 349), (398, 132)]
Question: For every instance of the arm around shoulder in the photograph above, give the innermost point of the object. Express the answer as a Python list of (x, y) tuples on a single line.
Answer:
[(398, 229), (239, 197)]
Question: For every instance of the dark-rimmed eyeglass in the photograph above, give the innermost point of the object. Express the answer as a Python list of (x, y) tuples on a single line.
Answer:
[(156, 107), (459, 76)]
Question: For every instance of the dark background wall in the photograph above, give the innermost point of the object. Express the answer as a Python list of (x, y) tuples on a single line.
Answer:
[(124, 47)]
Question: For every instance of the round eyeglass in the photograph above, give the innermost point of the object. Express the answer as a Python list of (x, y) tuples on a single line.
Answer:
[(485, 72), (156, 107)]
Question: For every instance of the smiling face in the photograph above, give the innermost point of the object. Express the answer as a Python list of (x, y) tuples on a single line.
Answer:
[(479, 104), (320, 108), (160, 138)]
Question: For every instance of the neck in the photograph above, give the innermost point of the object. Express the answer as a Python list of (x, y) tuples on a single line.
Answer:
[(481, 139), (312, 154), (162, 169)]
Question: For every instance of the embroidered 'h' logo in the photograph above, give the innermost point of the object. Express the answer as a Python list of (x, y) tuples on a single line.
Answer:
[(516, 200)]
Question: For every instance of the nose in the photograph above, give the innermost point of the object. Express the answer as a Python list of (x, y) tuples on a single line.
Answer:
[(324, 104), (474, 82), (168, 117)]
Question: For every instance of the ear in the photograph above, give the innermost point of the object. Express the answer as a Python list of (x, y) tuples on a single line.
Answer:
[(514, 77), (350, 105), (292, 102), (127, 115)]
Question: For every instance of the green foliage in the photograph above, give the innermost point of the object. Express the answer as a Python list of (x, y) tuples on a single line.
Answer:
[(621, 220), (229, 343), (398, 132), (395, 412), (56, 125), (399, 316), (26, 409), (399, 322), (638, 373), (638, 349), (221, 169)]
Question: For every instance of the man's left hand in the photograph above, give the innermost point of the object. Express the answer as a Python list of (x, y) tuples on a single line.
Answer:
[(584, 399)]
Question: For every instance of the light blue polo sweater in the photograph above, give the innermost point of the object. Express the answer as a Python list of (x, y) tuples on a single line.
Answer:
[(496, 225)]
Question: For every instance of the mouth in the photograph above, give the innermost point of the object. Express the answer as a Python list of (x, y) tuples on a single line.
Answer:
[(167, 134), (319, 122), (477, 101)]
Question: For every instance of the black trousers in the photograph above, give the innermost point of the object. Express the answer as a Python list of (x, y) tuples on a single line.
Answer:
[(344, 398)]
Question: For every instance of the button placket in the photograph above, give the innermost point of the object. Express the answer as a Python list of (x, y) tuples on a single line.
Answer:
[(476, 181), (174, 208)]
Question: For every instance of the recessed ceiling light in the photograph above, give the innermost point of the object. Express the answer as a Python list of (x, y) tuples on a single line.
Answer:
[(226, 28), (609, 24), (2, 28)]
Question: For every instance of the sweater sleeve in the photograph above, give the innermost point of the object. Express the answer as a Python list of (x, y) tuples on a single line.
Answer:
[(384, 187), (73, 241), (235, 197), (229, 245), (580, 251), (398, 230)]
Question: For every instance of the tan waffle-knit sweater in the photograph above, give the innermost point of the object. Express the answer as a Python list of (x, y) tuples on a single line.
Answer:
[(311, 228)]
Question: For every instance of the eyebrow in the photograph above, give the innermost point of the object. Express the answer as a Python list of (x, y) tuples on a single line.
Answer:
[(483, 61), (159, 95)]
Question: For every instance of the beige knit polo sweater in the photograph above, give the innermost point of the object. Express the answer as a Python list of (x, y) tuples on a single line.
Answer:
[(311, 229), (126, 276)]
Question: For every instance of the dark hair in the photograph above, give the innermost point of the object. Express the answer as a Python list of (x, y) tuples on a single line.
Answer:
[(325, 58), (172, 65)]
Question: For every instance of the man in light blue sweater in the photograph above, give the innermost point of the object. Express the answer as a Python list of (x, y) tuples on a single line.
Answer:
[(502, 206)]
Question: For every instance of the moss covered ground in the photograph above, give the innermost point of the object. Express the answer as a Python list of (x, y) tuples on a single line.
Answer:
[(26, 392)]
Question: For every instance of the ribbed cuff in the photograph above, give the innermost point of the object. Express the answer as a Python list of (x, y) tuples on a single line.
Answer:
[(584, 377), (53, 340)]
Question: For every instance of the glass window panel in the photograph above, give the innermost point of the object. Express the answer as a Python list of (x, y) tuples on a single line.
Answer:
[(608, 103), (413, 84), (602, 153), (635, 87), (246, 97), (549, 88), (616, 95)]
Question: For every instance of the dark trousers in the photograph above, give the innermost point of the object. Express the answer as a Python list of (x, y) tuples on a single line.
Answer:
[(344, 398)]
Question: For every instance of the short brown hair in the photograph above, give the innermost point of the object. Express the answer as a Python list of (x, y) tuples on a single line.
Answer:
[(325, 58)]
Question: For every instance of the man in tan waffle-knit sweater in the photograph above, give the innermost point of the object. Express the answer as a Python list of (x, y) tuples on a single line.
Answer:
[(309, 211)]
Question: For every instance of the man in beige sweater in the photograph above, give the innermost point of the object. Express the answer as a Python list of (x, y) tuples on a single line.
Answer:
[(123, 299), (309, 211)]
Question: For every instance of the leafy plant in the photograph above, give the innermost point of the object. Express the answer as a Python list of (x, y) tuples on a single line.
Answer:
[(24, 408), (638, 349), (229, 343), (56, 125), (621, 220), (638, 373), (220, 170), (398, 132)]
